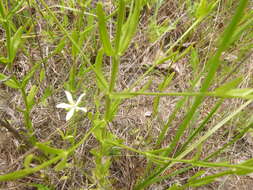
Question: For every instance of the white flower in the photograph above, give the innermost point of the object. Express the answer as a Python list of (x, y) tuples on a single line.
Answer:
[(72, 106)]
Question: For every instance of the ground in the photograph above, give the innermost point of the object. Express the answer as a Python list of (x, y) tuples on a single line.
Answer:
[(134, 122)]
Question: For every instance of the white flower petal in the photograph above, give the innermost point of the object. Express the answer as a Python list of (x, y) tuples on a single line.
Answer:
[(69, 97), (63, 105), (82, 109), (70, 114), (80, 98)]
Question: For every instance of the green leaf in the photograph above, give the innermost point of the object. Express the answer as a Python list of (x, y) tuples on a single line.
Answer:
[(48, 92), (98, 131), (70, 138), (41, 187), (228, 86), (49, 150), (60, 46), (28, 160), (146, 86), (166, 82), (101, 81), (103, 33), (120, 21), (42, 74), (75, 38), (161, 88), (15, 9), (198, 174), (240, 92), (175, 187), (114, 108), (203, 9), (208, 179), (79, 38), (14, 44), (248, 163), (31, 95), (201, 182), (71, 84), (194, 60), (25, 172), (2, 10), (4, 60), (244, 25), (12, 83), (130, 26), (62, 164)]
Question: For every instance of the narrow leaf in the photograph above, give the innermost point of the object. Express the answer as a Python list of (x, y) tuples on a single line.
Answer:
[(14, 44), (120, 21), (28, 160), (31, 95), (49, 150), (104, 35), (130, 26), (10, 82), (101, 81), (228, 86)]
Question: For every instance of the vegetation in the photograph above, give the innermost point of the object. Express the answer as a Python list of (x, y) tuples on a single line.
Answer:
[(159, 94)]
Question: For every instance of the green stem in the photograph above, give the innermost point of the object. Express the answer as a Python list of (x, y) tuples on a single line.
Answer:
[(26, 112), (122, 95), (28, 122), (114, 74)]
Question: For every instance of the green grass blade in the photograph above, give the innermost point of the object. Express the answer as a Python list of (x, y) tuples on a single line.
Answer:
[(248, 126), (237, 137), (214, 129), (154, 177), (213, 66), (73, 41), (120, 21), (244, 93), (201, 126), (103, 33), (25, 172), (130, 26), (161, 88), (165, 129), (98, 68)]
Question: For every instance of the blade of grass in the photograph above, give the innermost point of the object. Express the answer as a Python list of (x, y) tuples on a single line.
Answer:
[(130, 26), (74, 43), (233, 93), (120, 21), (201, 126), (248, 126), (154, 177), (213, 64), (103, 32)]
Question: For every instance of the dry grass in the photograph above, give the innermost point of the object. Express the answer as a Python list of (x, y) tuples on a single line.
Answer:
[(132, 123)]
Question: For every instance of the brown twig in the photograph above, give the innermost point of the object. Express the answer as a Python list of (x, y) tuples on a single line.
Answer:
[(15, 132)]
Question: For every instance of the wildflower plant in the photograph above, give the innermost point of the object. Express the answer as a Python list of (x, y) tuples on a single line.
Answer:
[(158, 159)]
